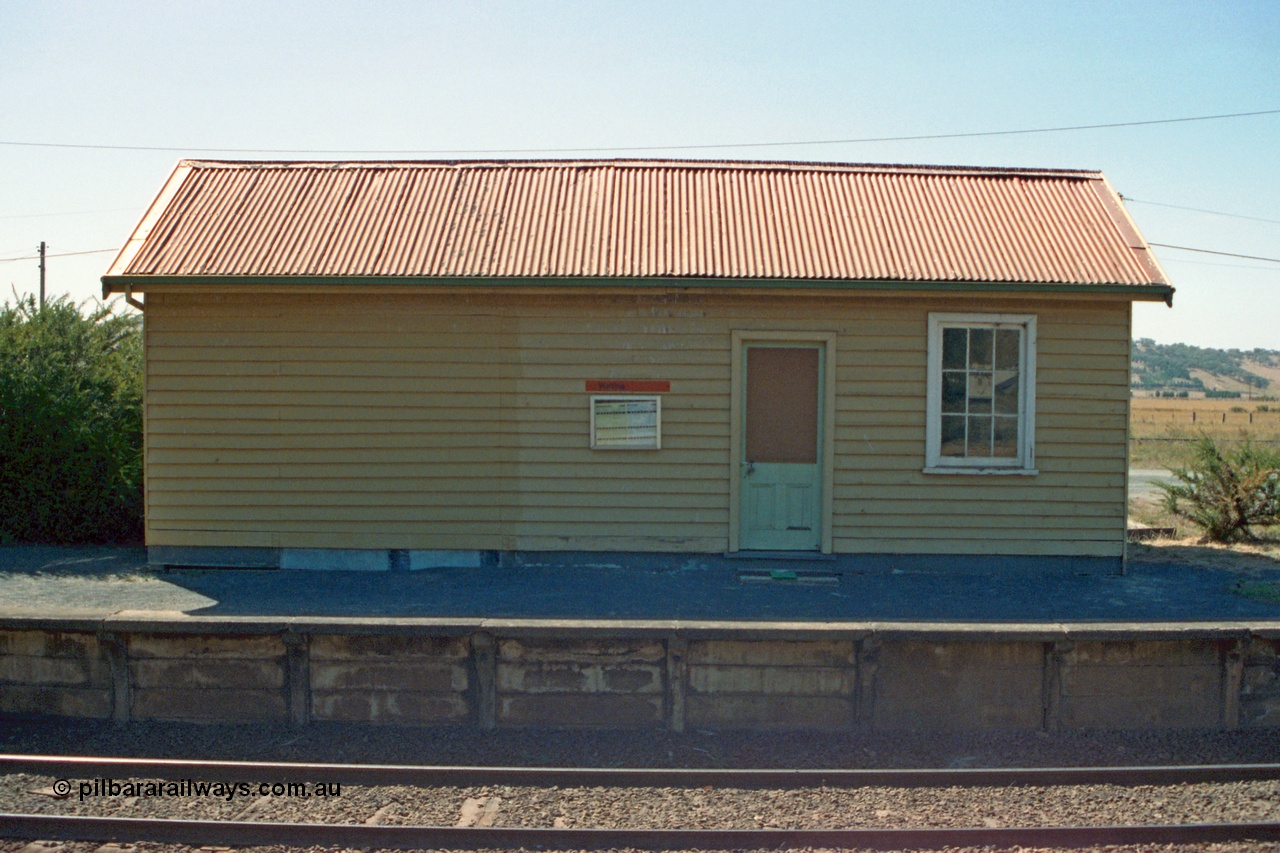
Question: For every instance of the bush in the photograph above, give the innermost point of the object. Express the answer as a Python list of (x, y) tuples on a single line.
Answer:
[(70, 424), (1227, 492)]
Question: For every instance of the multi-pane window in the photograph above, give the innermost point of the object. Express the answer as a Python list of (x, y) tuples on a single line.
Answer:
[(981, 391)]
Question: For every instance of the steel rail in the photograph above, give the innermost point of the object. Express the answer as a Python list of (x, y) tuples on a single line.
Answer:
[(84, 767), (252, 833)]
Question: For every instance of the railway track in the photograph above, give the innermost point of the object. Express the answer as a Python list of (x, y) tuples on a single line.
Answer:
[(67, 827)]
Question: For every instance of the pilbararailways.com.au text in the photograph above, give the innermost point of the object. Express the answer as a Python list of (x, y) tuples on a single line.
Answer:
[(192, 788)]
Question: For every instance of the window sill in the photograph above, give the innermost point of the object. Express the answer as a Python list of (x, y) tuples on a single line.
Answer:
[(958, 469)]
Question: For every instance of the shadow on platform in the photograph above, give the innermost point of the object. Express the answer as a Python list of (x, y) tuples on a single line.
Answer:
[(1198, 585)]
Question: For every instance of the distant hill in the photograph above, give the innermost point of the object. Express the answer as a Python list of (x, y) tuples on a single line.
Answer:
[(1183, 367)]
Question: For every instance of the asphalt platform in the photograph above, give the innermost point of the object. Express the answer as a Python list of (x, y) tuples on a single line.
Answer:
[(1162, 585)]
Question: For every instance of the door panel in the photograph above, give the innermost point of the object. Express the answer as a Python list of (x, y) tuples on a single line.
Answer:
[(782, 404), (781, 470)]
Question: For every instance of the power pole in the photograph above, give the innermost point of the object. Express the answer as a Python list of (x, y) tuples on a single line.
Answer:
[(42, 274)]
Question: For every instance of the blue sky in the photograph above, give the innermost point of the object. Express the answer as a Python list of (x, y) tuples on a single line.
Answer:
[(427, 78)]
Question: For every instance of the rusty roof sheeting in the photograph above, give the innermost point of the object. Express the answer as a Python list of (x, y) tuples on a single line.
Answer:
[(630, 219)]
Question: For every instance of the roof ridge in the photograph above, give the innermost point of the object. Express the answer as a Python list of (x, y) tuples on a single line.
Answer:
[(662, 163)]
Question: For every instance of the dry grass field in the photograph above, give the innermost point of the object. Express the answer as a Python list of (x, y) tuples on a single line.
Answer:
[(1161, 428), (1246, 558), (1161, 431)]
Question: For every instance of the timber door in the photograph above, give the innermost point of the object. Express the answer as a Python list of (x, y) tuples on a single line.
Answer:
[(781, 468)]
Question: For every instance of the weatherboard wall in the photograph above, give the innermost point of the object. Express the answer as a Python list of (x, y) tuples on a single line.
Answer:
[(436, 419)]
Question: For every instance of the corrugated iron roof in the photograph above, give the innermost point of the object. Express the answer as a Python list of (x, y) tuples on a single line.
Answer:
[(636, 219)]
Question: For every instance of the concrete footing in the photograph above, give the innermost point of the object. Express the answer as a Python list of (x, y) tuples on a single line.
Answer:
[(373, 559), (318, 559), (561, 673)]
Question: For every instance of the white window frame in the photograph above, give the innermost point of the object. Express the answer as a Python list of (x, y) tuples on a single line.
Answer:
[(1024, 462), (656, 399)]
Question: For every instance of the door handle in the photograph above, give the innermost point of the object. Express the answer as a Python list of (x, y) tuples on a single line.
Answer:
[(751, 467)]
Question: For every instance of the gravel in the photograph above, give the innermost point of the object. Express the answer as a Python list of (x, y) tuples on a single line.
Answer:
[(142, 847), (330, 742), (700, 808), (824, 807)]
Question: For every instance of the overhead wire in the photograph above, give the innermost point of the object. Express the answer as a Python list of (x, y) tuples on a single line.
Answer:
[(1130, 200), (1217, 264), (1160, 245), (65, 213), (676, 148), (1127, 200), (588, 150), (665, 148), (1212, 252), (56, 255)]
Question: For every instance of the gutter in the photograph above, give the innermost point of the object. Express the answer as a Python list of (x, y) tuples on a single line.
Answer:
[(122, 283)]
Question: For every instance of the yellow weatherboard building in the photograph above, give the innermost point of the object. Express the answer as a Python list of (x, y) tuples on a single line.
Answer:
[(412, 364)]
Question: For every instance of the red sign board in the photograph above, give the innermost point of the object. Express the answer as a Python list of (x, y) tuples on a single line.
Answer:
[(629, 386)]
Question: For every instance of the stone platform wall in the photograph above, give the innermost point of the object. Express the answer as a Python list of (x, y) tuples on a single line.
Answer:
[(644, 675)]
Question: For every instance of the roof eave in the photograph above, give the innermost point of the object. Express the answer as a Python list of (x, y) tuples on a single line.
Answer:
[(1146, 292), (138, 238)]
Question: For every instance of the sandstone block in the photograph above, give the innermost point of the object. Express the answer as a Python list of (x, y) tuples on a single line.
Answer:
[(970, 698), (830, 653), (585, 650), (1260, 713), (769, 712), (788, 681), (1259, 680), (212, 674), (250, 646), (359, 646), (49, 644), (55, 701), (1259, 652), (1138, 712), (1155, 682), (599, 710), (1144, 652), (388, 707), (929, 656), (534, 677), (21, 669), (209, 705), (410, 675)]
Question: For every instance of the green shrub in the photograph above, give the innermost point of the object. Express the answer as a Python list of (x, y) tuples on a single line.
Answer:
[(1227, 492), (70, 424)]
